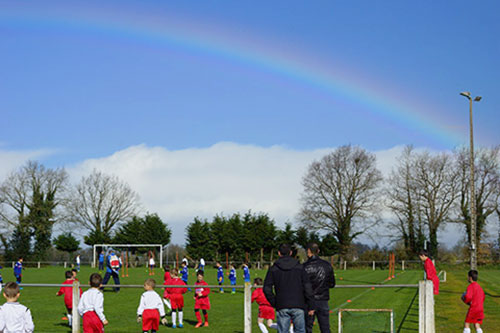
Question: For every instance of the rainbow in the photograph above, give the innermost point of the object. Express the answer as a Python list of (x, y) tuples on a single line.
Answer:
[(336, 80)]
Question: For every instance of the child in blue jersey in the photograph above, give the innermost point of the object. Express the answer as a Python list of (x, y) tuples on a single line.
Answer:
[(18, 270), (246, 272), (101, 260), (184, 273), (1, 279), (220, 275), (232, 277)]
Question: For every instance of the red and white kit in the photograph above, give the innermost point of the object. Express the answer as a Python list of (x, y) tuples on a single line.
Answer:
[(176, 294), (151, 309), (430, 272), (474, 297), (266, 311), (68, 294), (202, 302), (15, 317), (91, 308)]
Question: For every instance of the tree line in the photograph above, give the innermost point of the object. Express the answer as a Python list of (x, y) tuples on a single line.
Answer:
[(34, 198), (344, 195)]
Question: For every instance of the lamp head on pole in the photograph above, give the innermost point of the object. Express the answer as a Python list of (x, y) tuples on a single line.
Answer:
[(466, 94)]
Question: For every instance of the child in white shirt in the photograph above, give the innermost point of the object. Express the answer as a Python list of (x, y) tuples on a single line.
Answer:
[(14, 317), (150, 308), (91, 306)]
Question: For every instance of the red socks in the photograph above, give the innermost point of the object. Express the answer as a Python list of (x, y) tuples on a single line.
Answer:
[(198, 316)]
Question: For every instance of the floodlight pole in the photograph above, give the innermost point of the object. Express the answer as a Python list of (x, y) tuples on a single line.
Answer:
[(472, 200)]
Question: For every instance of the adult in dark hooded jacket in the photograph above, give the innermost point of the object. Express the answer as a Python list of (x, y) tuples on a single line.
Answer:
[(292, 294)]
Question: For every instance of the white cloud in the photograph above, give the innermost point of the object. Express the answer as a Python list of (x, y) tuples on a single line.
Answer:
[(12, 160)]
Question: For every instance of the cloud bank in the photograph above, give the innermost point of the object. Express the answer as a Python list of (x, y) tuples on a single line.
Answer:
[(225, 178)]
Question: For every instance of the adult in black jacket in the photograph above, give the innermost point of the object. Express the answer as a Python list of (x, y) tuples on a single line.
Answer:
[(322, 278), (292, 294)]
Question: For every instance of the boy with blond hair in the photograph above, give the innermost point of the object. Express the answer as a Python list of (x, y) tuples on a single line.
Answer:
[(150, 308), (91, 306), (14, 317)]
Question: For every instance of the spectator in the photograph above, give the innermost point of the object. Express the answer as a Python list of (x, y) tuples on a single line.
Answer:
[(292, 294), (322, 278)]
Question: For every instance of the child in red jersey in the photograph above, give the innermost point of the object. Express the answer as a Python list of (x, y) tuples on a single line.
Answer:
[(266, 311), (150, 308), (166, 280), (176, 297), (202, 302), (430, 270), (474, 297), (68, 295)]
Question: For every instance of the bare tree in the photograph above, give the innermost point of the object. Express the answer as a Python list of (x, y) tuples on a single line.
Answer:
[(340, 194), (487, 182), (437, 184), (404, 201), (98, 203), (29, 198)]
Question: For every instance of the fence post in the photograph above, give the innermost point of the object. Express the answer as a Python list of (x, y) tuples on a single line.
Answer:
[(75, 324), (374, 265), (426, 307), (38, 264), (248, 308), (403, 265), (345, 265), (65, 263)]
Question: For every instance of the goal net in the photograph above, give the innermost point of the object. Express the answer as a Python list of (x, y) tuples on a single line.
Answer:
[(127, 247), (366, 320)]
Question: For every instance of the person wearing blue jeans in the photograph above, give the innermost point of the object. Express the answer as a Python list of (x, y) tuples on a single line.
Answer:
[(289, 291)]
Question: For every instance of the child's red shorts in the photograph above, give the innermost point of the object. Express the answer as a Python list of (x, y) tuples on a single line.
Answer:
[(150, 320), (474, 317), (92, 323), (266, 312), (176, 301)]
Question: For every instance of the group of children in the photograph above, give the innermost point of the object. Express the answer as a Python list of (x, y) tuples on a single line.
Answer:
[(15, 317), (232, 275)]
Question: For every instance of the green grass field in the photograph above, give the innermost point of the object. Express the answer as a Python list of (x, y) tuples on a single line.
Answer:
[(227, 309)]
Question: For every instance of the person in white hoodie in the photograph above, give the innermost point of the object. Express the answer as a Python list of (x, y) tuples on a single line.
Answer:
[(14, 317), (91, 306), (150, 308)]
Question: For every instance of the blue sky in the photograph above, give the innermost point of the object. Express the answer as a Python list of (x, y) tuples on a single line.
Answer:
[(83, 80)]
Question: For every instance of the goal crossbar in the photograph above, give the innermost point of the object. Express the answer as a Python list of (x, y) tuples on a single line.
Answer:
[(160, 246)]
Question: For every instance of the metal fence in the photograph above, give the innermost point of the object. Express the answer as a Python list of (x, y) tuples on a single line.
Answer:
[(426, 300)]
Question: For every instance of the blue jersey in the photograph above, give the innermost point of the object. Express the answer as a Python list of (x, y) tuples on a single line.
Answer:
[(220, 274), (18, 268), (101, 257), (185, 274), (246, 274), (232, 275)]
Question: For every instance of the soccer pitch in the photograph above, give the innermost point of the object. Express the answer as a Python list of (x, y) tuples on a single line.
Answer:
[(226, 314)]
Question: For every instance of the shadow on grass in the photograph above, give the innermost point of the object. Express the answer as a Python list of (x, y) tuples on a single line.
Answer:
[(494, 296), (64, 325), (407, 314)]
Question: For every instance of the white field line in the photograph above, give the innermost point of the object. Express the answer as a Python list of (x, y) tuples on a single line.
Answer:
[(358, 296)]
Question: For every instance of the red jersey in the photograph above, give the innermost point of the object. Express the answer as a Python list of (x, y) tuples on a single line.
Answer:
[(176, 282), (259, 297), (430, 272), (201, 302), (68, 293), (166, 277), (474, 297)]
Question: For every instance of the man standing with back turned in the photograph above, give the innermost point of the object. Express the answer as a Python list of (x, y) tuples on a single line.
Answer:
[(321, 275), (292, 294)]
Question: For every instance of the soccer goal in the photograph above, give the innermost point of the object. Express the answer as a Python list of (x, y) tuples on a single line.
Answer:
[(442, 276), (122, 246), (366, 320)]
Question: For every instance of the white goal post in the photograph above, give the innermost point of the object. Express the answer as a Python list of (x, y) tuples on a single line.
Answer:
[(94, 262)]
